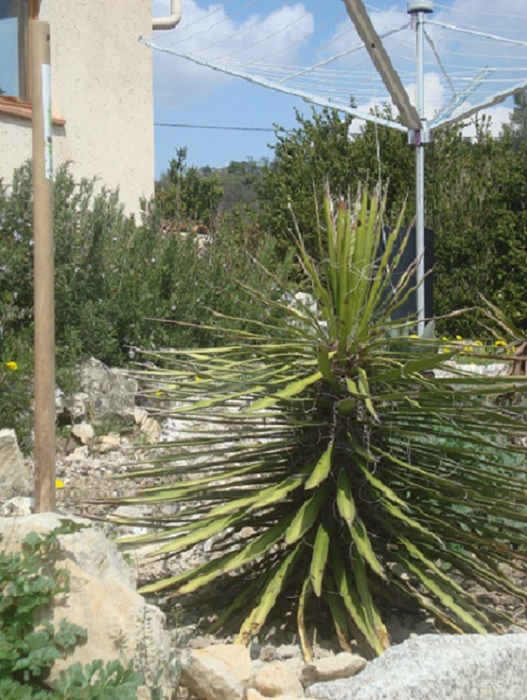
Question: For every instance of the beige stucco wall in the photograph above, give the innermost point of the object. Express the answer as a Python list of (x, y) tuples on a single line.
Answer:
[(102, 86)]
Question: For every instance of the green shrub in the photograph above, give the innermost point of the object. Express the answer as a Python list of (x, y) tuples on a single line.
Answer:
[(29, 646), (476, 194), (113, 277), (187, 194), (114, 280), (328, 477), (320, 148)]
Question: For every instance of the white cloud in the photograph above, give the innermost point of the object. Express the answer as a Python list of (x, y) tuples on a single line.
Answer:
[(209, 32), (454, 60), (434, 94), (499, 116), (434, 98), (345, 37), (285, 34), (498, 17)]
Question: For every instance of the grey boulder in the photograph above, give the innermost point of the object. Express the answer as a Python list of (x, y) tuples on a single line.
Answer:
[(439, 667)]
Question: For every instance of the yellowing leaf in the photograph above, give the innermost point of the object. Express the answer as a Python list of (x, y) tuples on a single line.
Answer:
[(345, 502), (364, 388), (205, 532), (364, 547), (305, 516), (321, 469), (373, 618), (270, 593), (288, 392), (300, 618), (352, 387), (432, 584), (382, 487), (356, 610), (319, 559)]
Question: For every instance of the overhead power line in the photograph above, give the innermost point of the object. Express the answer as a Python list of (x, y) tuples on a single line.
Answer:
[(222, 128)]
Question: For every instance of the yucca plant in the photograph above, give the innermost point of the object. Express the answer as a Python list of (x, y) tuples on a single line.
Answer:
[(330, 464)]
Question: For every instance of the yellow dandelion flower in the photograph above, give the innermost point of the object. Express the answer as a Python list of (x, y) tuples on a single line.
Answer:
[(159, 393), (500, 344), (198, 379), (59, 484), (459, 337), (478, 343), (12, 366)]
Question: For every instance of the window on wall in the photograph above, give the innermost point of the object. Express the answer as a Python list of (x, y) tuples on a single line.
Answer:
[(14, 49)]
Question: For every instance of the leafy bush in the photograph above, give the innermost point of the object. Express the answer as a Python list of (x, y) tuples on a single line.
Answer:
[(475, 200), (327, 475), (320, 148), (476, 205), (113, 279), (29, 646), (16, 382), (188, 194)]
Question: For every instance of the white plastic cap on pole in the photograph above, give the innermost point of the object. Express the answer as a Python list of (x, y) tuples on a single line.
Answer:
[(419, 6)]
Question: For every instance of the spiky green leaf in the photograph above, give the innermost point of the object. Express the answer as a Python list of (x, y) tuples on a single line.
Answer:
[(319, 559)]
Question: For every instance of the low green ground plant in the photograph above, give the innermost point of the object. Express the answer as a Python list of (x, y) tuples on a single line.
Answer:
[(16, 390), (17, 386), (29, 645)]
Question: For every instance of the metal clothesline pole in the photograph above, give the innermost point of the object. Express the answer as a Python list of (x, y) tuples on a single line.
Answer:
[(419, 138), (411, 116)]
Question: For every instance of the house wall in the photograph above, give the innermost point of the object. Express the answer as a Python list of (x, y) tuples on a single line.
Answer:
[(102, 87)]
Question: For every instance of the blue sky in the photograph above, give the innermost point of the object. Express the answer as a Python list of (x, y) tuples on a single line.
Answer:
[(199, 96), (241, 105), (299, 33)]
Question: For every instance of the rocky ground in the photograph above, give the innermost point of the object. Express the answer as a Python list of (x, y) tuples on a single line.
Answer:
[(95, 452), (273, 665), (92, 472)]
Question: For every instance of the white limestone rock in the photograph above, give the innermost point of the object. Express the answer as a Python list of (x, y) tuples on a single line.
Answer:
[(151, 429), (102, 599), (331, 668), (140, 415), (104, 392), (277, 678), (253, 694), (14, 473), (84, 432), (218, 672), (79, 454), (18, 506), (442, 667)]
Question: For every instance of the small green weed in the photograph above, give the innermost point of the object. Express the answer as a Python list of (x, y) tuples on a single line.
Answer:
[(16, 392)]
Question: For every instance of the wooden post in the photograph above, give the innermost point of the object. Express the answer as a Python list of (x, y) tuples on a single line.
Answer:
[(43, 268)]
